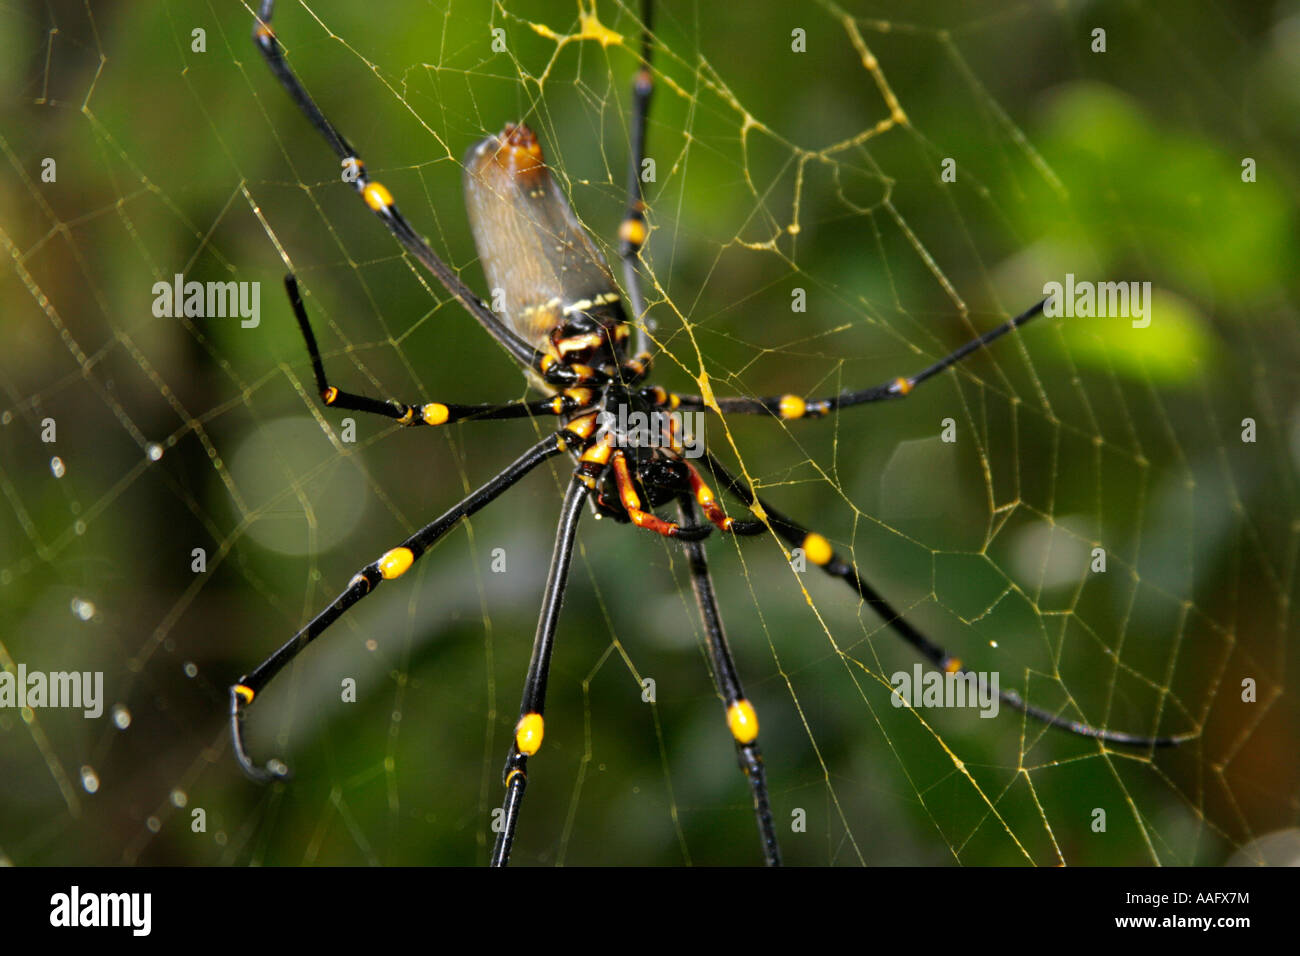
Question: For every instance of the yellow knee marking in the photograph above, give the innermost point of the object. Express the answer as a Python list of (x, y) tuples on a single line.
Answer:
[(632, 231), (408, 416), (902, 386), (528, 734), (743, 721), (599, 452), (583, 427), (817, 548), (330, 395), (434, 413), (512, 774), (244, 693), (395, 563), (581, 396), (791, 406), (953, 665), (377, 197)]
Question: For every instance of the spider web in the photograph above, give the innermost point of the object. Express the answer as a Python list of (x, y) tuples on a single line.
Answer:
[(775, 171)]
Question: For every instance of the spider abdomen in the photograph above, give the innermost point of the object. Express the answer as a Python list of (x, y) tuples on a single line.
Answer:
[(546, 277)]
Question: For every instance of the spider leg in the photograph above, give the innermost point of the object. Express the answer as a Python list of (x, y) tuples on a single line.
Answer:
[(430, 413), (391, 564), (379, 200), (632, 232), (741, 718), (529, 729), (708, 501), (790, 407), (819, 551)]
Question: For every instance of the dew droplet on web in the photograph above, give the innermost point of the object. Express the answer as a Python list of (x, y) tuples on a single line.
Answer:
[(82, 609), (121, 717), (191, 669), (89, 779), (179, 797), (153, 451), (56, 466)]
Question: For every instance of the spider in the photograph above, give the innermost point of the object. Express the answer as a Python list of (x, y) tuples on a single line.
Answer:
[(562, 319)]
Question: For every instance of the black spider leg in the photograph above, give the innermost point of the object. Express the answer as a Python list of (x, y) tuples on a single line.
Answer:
[(741, 718), (391, 564), (790, 407), (632, 233), (379, 200), (818, 550), (426, 413), (529, 729)]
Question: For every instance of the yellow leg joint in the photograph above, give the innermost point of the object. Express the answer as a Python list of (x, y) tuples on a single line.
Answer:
[(583, 427), (632, 231), (244, 693), (791, 406), (330, 395), (599, 453), (528, 734), (743, 721), (395, 563), (817, 548), (435, 413), (377, 197), (902, 386), (953, 665)]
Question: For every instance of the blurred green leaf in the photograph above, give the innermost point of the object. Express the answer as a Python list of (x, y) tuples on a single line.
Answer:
[(1162, 202)]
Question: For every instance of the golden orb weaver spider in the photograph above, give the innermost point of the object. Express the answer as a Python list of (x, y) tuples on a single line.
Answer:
[(561, 317)]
